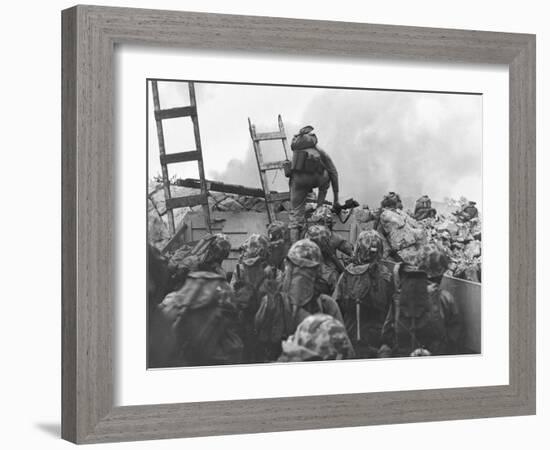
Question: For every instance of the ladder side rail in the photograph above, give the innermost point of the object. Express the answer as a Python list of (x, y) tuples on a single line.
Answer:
[(263, 176), (162, 154), (198, 146), (283, 134)]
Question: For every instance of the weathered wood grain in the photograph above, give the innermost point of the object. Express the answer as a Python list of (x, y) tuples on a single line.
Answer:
[(88, 198)]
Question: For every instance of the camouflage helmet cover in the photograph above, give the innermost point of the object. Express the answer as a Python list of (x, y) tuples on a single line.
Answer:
[(254, 249), (391, 200), (420, 352), (277, 231), (368, 247), (219, 248), (322, 215), (363, 214), (318, 337), (319, 234), (432, 260), (305, 253), (306, 130)]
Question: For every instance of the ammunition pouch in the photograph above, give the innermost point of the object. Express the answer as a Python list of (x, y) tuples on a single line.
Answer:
[(287, 168)]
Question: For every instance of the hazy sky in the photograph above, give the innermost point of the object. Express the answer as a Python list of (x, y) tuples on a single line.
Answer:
[(409, 142)]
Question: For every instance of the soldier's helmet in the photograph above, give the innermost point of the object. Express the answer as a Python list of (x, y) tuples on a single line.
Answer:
[(254, 249), (318, 337), (420, 352), (319, 234), (369, 247), (219, 248), (432, 260), (305, 253), (470, 209), (322, 216), (201, 289), (423, 202), (277, 231), (306, 130), (391, 200)]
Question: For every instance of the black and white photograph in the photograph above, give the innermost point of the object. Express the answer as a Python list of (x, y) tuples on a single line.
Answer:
[(289, 224)]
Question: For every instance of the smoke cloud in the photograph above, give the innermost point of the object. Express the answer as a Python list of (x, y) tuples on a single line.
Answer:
[(408, 142)]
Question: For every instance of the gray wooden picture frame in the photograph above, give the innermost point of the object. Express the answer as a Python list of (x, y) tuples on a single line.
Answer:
[(90, 34)]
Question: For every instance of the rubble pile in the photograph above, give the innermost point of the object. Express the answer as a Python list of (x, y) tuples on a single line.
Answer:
[(461, 241), (460, 238), (157, 222)]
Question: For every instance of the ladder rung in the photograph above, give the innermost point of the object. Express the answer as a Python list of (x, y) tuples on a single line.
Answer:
[(172, 113), (279, 197), (190, 200), (272, 165), (269, 136), (172, 158)]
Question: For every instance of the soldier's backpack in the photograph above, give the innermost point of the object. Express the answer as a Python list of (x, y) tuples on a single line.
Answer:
[(249, 285), (204, 320), (274, 320), (307, 161), (418, 314), (304, 139), (356, 284)]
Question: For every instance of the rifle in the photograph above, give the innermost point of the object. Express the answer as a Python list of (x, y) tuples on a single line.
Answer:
[(349, 204)]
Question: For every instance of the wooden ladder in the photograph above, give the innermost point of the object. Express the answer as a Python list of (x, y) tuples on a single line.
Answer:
[(264, 167), (172, 158)]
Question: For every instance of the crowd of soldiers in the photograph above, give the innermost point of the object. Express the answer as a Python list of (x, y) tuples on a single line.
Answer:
[(301, 292), (318, 298)]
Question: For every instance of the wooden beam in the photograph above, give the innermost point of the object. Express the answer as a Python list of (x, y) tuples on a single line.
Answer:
[(217, 186), (171, 158), (274, 165), (271, 136), (189, 200), (173, 113), (172, 244), (279, 196)]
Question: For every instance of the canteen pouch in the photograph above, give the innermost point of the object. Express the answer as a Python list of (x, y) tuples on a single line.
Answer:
[(287, 168)]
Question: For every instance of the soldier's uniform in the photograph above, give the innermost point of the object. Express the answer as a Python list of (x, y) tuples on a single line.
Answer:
[(279, 243), (467, 212), (362, 219), (429, 320), (364, 292), (319, 337), (252, 279), (311, 168), (423, 208), (404, 235), (204, 321), (279, 315), (332, 267)]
